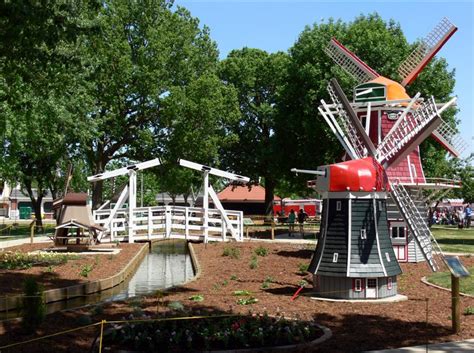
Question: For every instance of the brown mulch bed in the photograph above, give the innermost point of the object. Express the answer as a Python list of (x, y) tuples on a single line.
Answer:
[(424, 318), (67, 274)]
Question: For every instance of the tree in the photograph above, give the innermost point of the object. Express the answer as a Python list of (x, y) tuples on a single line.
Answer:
[(258, 78), (42, 90), (144, 54), (382, 46)]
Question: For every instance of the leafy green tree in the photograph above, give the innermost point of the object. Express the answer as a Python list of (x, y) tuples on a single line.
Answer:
[(258, 78), (383, 47), (42, 90), (145, 55)]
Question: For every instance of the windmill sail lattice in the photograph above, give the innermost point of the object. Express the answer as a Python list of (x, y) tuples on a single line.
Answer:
[(428, 48), (416, 224), (350, 62), (450, 139), (409, 132)]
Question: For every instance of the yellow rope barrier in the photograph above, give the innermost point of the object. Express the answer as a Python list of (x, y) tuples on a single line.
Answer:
[(101, 334), (48, 336)]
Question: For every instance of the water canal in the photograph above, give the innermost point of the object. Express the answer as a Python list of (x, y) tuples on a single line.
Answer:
[(166, 265)]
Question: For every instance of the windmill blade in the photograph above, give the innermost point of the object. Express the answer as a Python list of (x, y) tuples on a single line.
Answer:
[(356, 133), (411, 130), (348, 61), (427, 49), (417, 225)]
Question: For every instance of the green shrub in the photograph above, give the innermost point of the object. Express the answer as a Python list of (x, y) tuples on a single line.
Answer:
[(303, 268), (469, 310), (261, 251), (197, 298), (231, 252), (177, 306), (253, 263), (84, 320), (85, 270), (18, 260), (266, 282), (234, 278), (242, 293), (247, 301), (34, 308)]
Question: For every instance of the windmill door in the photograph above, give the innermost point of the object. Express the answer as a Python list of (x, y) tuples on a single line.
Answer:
[(371, 290)]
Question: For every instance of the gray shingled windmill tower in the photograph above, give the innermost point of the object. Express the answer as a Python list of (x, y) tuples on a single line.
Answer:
[(354, 258), (382, 106)]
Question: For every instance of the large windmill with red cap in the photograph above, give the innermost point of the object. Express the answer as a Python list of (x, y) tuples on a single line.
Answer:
[(354, 258), (386, 113)]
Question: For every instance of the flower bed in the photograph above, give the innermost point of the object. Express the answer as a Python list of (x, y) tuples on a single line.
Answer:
[(228, 332)]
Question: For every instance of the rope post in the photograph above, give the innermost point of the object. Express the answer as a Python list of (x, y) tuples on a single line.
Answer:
[(273, 230), (101, 334), (455, 307)]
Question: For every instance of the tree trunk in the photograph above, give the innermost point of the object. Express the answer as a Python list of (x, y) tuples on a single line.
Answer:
[(98, 186), (269, 195), (37, 209)]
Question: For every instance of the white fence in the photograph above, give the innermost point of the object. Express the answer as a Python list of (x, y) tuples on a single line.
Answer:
[(163, 222)]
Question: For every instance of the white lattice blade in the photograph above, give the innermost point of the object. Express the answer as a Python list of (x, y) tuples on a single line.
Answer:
[(411, 129), (424, 52), (348, 61), (337, 131), (213, 171)]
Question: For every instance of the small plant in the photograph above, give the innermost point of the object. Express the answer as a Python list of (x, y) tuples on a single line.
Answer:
[(303, 268), (247, 301), (84, 320), (469, 310), (216, 286), (261, 251), (234, 278), (197, 298), (50, 269), (267, 281), (34, 308), (177, 306), (253, 262), (241, 293), (231, 252), (302, 283), (98, 310), (85, 270)]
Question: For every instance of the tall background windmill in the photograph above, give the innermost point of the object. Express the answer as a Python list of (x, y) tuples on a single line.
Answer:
[(386, 113)]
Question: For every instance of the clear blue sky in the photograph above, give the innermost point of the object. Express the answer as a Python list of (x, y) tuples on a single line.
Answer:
[(276, 25)]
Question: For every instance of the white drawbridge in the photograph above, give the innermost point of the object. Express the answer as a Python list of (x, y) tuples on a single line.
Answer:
[(161, 222)]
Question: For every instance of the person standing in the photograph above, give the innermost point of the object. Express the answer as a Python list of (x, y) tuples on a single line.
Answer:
[(467, 216), (302, 215), (291, 222)]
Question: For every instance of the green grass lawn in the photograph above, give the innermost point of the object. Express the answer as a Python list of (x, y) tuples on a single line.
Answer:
[(452, 239), (22, 231), (443, 279)]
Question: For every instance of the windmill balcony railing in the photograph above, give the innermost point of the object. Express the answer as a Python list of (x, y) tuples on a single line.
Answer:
[(172, 222), (452, 183)]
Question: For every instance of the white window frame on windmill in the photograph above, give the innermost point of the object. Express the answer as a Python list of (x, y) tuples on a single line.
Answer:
[(338, 205), (335, 257), (395, 226), (363, 234)]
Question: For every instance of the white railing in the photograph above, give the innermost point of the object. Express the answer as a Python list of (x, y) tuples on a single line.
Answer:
[(161, 222)]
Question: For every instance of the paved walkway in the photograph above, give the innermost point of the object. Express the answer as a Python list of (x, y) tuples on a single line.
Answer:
[(15, 242), (451, 347)]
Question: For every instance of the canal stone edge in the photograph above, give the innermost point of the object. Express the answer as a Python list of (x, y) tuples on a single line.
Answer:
[(58, 294)]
